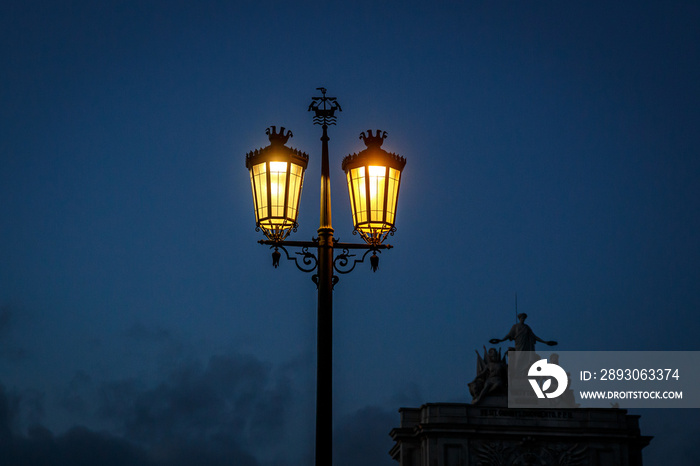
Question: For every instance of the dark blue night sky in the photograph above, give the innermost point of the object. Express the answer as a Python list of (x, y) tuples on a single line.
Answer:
[(553, 150)]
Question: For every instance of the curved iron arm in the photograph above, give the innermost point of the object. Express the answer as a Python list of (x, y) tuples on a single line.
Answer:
[(308, 259), (340, 263)]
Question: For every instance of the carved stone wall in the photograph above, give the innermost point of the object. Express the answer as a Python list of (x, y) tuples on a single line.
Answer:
[(452, 434)]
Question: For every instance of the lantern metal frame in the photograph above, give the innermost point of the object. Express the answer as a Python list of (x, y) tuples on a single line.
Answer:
[(324, 262), (276, 227), (371, 229)]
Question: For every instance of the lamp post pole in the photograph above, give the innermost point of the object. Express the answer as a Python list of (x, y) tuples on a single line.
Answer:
[(324, 342), (276, 174)]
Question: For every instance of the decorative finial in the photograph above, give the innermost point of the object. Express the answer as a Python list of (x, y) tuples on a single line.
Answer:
[(278, 138), (373, 141), (374, 261), (276, 255), (325, 108)]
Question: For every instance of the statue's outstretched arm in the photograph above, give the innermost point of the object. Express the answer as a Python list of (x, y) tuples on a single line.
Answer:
[(546, 342)]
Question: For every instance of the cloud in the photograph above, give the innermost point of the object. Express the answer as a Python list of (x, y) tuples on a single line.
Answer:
[(363, 438), (167, 349), (231, 397), (78, 446), (73, 397), (228, 410)]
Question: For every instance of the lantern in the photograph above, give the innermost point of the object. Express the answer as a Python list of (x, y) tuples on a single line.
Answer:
[(276, 178), (374, 177)]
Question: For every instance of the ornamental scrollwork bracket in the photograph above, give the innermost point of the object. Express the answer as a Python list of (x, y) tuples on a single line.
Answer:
[(304, 260), (341, 263)]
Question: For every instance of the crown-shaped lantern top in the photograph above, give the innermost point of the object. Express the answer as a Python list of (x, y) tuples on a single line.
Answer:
[(278, 139), (276, 151), (373, 141), (373, 150)]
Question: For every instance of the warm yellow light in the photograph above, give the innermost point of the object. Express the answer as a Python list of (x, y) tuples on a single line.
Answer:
[(373, 198), (373, 178), (276, 176), (296, 179), (278, 184), (377, 172), (377, 176)]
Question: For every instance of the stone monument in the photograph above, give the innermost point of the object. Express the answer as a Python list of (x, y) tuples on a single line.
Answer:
[(485, 432)]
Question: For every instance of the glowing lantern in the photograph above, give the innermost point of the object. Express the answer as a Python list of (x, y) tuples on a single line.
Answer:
[(276, 178), (374, 177)]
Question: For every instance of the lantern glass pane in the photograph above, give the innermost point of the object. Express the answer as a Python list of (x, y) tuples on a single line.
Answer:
[(352, 199), (278, 184), (259, 178), (393, 194), (296, 177), (359, 191), (252, 189), (377, 185)]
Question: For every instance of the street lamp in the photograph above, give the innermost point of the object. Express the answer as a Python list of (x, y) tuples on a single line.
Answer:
[(374, 176), (276, 176)]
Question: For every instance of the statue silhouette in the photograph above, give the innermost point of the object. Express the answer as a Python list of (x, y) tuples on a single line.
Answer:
[(523, 335)]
